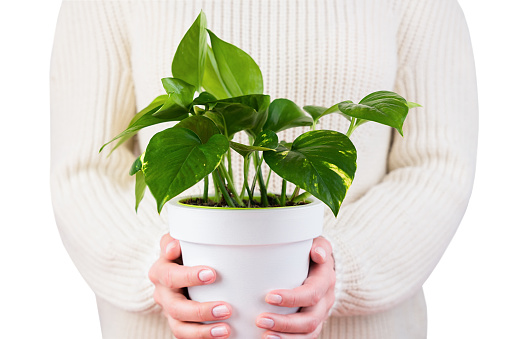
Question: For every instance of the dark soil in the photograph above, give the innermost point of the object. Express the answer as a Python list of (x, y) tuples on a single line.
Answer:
[(272, 202)]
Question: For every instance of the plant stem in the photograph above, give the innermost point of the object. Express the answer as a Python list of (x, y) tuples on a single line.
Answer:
[(352, 127), (231, 185), (301, 197), (295, 193), (218, 196), (262, 187), (230, 168), (283, 193), (268, 176), (205, 190), (246, 164), (222, 188)]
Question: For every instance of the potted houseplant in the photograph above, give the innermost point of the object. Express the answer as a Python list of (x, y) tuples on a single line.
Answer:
[(216, 92)]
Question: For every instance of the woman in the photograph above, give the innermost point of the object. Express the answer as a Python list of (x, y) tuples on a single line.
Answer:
[(409, 193)]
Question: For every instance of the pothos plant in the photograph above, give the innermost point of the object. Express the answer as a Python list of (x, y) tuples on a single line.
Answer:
[(216, 92)]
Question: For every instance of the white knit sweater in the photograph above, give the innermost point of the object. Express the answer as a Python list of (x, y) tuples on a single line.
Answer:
[(409, 193)]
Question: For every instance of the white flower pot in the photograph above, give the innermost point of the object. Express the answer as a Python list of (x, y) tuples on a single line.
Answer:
[(252, 250)]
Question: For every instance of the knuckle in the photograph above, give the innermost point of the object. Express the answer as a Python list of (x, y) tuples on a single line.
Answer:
[(152, 274), (167, 279), (312, 325), (201, 312), (315, 297), (172, 310), (189, 277)]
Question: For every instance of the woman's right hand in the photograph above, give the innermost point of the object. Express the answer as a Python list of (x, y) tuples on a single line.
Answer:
[(185, 316)]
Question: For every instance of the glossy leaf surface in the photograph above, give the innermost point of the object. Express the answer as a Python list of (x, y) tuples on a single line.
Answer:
[(384, 107), (212, 80), (315, 111), (265, 141), (176, 160), (139, 188), (321, 162), (201, 125), (284, 114), (232, 117), (189, 60), (238, 71)]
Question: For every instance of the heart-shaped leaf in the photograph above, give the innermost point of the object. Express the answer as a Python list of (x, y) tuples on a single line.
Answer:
[(176, 160), (334, 109), (321, 162), (284, 114), (232, 117), (189, 60), (265, 141), (238, 71), (180, 98), (315, 111), (384, 107), (201, 125)]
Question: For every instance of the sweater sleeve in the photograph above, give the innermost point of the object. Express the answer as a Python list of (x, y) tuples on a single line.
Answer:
[(387, 242), (92, 100)]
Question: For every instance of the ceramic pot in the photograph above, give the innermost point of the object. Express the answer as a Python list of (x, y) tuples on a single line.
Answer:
[(253, 252)]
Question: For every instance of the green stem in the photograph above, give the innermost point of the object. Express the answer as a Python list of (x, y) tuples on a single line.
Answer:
[(231, 185), (230, 167), (205, 191), (262, 186), (301, 197), (283, 193), (295, 193), (246, 164), (222, 188), (218, 196), (352, 127)]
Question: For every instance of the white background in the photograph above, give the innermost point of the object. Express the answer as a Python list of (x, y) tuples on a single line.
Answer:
[(42, 295)]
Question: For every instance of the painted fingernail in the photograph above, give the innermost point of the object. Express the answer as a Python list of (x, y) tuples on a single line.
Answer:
[(220, 311), (205, 275), (321, 251), (219, 331), (274, 298), (271, 336), (265, 322), (170, 246)]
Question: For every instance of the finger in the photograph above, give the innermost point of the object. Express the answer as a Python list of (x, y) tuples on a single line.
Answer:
[(304, 322), (321, 251), (278, 335), (183, 330), (178, 307), (176, 276), (306, 295), (170, 247)]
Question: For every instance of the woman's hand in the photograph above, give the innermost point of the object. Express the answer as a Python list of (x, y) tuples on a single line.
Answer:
[(184, 316), (316, 296)]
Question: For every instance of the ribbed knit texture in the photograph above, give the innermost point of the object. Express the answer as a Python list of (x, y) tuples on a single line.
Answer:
[(409, 193)]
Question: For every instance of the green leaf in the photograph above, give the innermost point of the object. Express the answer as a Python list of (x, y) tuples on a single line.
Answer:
[(201, 125), (413, 105), (265, 141), (204, 98), (189, 60), (143, 119), (315, 111), (238, 71), (246, 150), (321, 162), (212, 80), (176, 160), (334, 109), (232, 117), (180, 98), (284, 114), (384, 107), (137, 164), (140, 188)]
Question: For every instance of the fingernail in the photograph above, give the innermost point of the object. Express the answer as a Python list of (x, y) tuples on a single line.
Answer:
[(205, 275), (220, 311), (170, 246), (219, 331), (321, 251), (265, 322), (274, 298), (271, 336)]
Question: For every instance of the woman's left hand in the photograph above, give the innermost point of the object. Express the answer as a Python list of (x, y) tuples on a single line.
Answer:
[(315, 297)]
